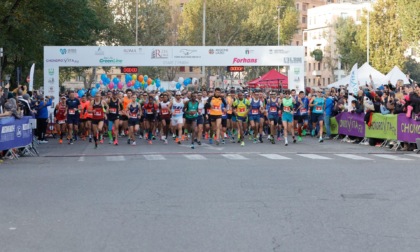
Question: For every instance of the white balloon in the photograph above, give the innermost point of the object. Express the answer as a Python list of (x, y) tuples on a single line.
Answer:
[(181, 80)]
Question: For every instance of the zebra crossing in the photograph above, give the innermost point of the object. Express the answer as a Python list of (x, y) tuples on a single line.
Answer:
[(255, 156)]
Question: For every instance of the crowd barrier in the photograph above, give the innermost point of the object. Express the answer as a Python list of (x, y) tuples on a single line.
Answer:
[(386, 127), (15, 133)]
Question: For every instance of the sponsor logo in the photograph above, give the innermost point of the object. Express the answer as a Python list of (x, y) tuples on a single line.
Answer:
[(133, 51), (26, 126), (187, 54), (244, 60), (218, 51), (160, 54), (8, 129), (278, 51), (247, 51), (19, 131), (51, 88), (68, 60), (99, 51), (110, 60), (292, 60), (65, 51), (296, 70), (51, 71)]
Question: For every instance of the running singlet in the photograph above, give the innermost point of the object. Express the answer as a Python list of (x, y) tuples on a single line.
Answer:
[(305, 106), (83, 108), (229, 101), (133, 111), (113, 110), (164, 110), (192, 107), (126, 101), (98, 111), (224, 113), (272, 107), (177, 109), (319, 105), (255, 107), (201, 108), (72, 106), (216, 106), (88, 115), (60, 115), (241, 107), (150, 108), (287, 105)]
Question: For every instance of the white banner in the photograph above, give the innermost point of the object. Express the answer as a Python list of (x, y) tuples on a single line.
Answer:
[(354, 85), (31, 78)]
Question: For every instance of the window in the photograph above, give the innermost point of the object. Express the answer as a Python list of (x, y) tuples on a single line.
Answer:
[(323, 81), (309, 67), (305, 36), (306, 50), (303, 20), (297, 43), (182, 69), (329, 82), (319, 66), (304, 7), (191, 69), (309, 81), (297, 6)]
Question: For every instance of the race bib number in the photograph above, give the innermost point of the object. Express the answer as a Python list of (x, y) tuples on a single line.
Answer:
[(273, 109), (303, 111), (216, 107), (165, 111), (112, 110), (134, 116), (200, 111), (61, 121), (72, 112), (286, 109), (177, 111), (149, 111), (242, 110), (98, 113), (318, 108), (255, 111)]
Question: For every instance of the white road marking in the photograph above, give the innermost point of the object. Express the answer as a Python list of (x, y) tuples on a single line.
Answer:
[(274, 156), (115, 158), (393, 157), (354, 157), (154, 157), (314, 156), (413, 155), (81, 159), (234, 156), (195, 157)]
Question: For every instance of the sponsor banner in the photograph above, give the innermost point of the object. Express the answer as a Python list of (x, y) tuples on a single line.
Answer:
[(333, 126), (351, 124), (15, 132), (408, 129), (383, 127), (88, 56)]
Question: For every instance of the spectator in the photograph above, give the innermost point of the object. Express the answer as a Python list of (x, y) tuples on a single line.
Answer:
[(415, 102), (10, 109), (24, 104), (4, 91), (329, 106), (42, 117)]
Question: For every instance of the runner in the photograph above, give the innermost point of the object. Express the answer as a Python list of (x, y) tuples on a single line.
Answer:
[(177, 108), (150, 110), (165, 117), (273, 105), (318, 106), (255, 115), (113, 116), (200, 118), (60, 114), (88, 116), (263, 115), (302, 123), (206, 114), (191, 114), (214, 103), (240, 109), (134, 114), (72, 117), (287, 118), (82, 111), (125, 115), (98, 109)]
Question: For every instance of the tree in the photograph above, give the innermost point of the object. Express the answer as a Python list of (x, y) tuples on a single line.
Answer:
[(412, 67), (409, 15)]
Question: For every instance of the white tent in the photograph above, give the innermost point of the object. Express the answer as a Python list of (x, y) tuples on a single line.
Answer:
[(396, 74), (363, 76)]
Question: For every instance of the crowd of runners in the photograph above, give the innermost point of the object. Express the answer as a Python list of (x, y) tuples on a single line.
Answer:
[(215, 116)]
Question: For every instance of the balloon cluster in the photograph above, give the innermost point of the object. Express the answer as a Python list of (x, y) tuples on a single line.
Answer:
[(134, 81)]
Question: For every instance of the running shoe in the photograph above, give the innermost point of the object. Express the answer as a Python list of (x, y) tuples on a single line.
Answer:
[(321, 140), (96, 144), (260, 138), (299, 139), (71, 141), (165, 141), (140, 137), (272, 141), (304, 132), (217, 142), (199, 142), (206, 136), (177, 140), (183, 138), (90, 139), (313, 133), (110, 141), (242, 143), (128, 141), (211, 141), (60, 141), (102, 141), (153, 137), (223, 141), (255, 141), (192, 146), (150, 142), (115, 142), (294, 139), (286, 142), (134, 143)]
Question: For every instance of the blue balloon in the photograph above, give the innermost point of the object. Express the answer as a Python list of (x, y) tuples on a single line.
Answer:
[(103, 77), (107, 81), (178, 85), (98, 85), (162, 90), (145, 78), (80, 93), (187, 82), (128, 78), (137, 85), (116, 80), (93, 91), (157, 84)]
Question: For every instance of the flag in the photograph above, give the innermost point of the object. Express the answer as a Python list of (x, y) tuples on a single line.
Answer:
[(353, 85), (31, 77)]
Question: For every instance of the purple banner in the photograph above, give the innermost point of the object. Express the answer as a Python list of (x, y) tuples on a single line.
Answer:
[(351, 124), (15, 132), (408, 129)]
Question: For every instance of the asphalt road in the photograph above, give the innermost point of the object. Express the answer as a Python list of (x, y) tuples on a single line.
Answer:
[(304, 197)]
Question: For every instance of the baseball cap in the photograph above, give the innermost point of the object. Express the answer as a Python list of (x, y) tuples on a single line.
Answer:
[(178, 93)]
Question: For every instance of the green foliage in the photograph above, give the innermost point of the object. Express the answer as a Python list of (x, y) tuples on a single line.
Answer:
[(317, 54), (409, 11), (412, 67)]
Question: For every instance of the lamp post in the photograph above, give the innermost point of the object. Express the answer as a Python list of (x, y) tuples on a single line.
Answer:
[(368, 37), (137, 22), (278, 28), (1, 59), (203, 68)]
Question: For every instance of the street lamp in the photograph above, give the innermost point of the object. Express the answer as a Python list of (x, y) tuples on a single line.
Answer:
[(1, 59), (278, 24), (203, 68), (137, 22)]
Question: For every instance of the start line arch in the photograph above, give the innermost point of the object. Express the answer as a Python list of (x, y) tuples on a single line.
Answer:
[(168, 56)]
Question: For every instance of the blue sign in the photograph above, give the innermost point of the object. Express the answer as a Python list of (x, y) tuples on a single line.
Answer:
[(15, 132)]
